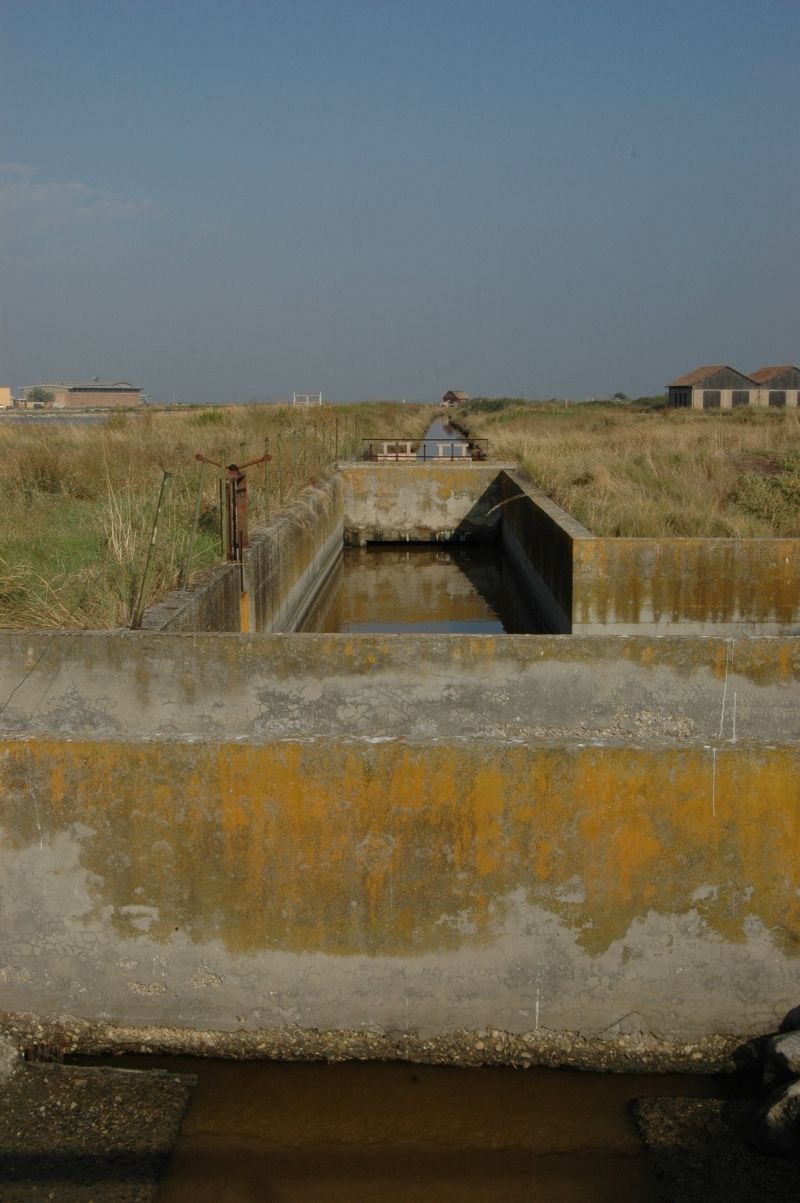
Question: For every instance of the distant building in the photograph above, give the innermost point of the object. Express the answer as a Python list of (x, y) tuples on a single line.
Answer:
[(5, 397), (716, 386), (780, 385), (89, 394), (454, 398)]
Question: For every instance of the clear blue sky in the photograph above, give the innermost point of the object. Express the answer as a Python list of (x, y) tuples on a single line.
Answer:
[(396, 197)]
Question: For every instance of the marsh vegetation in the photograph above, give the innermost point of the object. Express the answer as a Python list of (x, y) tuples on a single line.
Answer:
[(78, 500), (631, 469)]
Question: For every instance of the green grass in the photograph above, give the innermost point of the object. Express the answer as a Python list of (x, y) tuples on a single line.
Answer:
[(78, 501)]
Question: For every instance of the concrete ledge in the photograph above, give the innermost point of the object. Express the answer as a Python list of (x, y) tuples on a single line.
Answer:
[(510, 687), (612, 1051)]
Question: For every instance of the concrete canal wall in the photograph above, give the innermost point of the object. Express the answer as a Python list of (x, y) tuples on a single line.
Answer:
[(415, 838), (695, 586), (577, 582), (285, 568), (540, 538), (533, 834)]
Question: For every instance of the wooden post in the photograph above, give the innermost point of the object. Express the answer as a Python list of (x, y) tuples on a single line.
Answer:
[(141, 601)]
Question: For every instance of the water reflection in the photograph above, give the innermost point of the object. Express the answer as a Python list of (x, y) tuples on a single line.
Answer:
[(422, 588), (438, 430), (394, 1133)]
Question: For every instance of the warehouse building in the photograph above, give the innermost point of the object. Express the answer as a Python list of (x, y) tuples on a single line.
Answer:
[(779, 385), (86, 394), (719, 386)]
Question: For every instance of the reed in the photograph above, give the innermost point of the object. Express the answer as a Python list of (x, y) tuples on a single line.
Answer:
[(77, 502), (624, 470)]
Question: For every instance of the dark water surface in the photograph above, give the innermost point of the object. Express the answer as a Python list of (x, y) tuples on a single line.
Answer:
[(446, 588), (397, 1133)]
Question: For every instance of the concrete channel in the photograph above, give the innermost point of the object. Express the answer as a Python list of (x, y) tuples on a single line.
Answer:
[(585, 840)]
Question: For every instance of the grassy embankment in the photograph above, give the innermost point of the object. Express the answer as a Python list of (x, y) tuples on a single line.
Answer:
[(636, 470), (77, 502)]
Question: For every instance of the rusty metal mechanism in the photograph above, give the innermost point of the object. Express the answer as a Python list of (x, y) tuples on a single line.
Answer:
[(235, 517)]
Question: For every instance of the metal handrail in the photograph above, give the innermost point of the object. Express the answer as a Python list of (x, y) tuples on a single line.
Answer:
[(399, 450)]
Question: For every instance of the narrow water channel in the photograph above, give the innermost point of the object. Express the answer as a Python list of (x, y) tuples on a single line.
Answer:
[(437, 431), (400, 1133), (450, 588)]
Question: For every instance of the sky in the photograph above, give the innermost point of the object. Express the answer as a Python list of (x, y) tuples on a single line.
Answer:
[(232, 200)]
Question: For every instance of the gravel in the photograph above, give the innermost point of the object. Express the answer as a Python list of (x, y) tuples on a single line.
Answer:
[(700, 1153), (87, 1135)]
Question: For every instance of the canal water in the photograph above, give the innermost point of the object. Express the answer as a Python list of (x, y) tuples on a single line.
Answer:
[(438, 431), (437, 588), (400, 1133), (424, 588)]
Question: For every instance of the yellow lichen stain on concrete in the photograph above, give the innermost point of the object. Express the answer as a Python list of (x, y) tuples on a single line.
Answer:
[(701, 580), (360, 848), (57, 785), (486, 804)]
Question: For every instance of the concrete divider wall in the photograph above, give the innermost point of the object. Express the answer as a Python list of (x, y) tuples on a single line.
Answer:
[(538, 536), (289, 563), (533, 834), (703, 586), (425, 502)]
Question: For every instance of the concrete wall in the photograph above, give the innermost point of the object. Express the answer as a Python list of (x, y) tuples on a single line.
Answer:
[(289, 563), (538, 537), (523, 833), (695, 586), (419, 502), (284, 570), (210, 604)]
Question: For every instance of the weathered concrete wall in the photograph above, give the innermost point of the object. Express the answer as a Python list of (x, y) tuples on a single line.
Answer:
[(285, 568), (289, 563), (597, 834), (419, 502), (210, 604), (698, 586), (538, 537)]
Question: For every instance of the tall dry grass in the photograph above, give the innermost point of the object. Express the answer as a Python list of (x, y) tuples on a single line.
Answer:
[(625, 471), (77, 501)]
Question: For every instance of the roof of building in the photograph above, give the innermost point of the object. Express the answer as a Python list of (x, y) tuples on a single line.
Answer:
[(762, 375), (459, 396), (701, 374), (86, 385)]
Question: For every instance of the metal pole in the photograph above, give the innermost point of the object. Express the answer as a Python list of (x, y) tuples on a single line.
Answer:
[(187, 567), (266, 480), (223, 504), (138, 612)]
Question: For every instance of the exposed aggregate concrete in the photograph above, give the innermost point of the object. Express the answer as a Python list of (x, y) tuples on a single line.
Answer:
[(614, 1054)]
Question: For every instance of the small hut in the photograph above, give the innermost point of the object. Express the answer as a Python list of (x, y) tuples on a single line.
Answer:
[(453, 398)]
